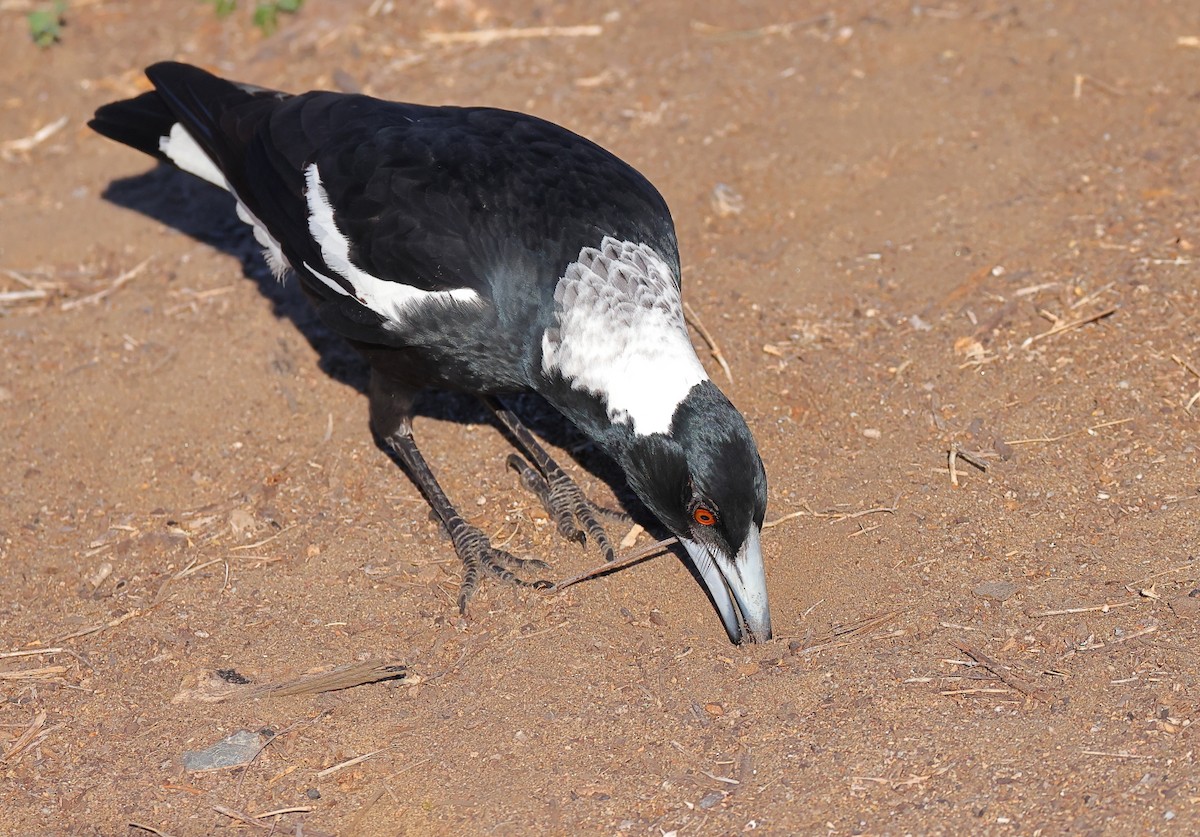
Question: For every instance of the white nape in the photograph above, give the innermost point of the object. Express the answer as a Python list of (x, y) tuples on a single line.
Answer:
[(393, 300), (621, 335)]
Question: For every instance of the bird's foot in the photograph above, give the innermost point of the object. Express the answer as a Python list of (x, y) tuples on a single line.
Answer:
[(480, 558), (575, 516)]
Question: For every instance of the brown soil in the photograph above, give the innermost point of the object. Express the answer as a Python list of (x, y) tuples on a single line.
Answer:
[(938, 204)]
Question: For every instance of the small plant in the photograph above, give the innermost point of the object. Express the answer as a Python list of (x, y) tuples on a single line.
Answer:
[(45, 25), (266, 12)]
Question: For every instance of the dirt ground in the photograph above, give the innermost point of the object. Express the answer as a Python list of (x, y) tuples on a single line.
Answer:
[(913, 229)]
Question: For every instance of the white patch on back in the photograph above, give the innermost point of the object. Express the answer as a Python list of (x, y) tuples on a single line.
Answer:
[(183, 150), (394, 301), (621, 335)]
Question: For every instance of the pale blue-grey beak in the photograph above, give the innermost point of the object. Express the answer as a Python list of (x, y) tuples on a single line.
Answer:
[(738, 587)]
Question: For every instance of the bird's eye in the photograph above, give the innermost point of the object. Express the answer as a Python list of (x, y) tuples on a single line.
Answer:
[(703, 516)]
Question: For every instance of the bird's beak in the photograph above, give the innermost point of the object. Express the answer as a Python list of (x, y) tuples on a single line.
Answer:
[(738, 587)]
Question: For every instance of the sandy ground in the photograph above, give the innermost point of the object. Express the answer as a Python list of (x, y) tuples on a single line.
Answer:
[(913, 229)]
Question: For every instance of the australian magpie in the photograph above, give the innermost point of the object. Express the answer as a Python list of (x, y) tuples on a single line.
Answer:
[(485, 252)]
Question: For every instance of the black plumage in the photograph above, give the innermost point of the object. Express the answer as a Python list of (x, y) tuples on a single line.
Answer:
[(487, 252)]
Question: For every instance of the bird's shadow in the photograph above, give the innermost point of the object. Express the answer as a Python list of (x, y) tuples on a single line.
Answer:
[(208, 215)]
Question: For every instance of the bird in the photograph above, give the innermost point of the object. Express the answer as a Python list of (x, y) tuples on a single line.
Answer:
[(493, 253)]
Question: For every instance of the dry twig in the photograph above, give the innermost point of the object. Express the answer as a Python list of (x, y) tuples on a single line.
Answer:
[(33, 673), (96, 628), (1192, 369), (483, 37), (694, 320), (1060, 325), (149, 828), (1104, 608), (13, 148), (1096, 646), (1001, 671), (718, 33), (116, 285), (620, 564), (321, 774), (1091, 431), (29, 653), (26, 738)]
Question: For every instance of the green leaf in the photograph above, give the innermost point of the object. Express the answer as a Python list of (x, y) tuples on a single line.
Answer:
[(224, 8), (45, 25), (266, 17)]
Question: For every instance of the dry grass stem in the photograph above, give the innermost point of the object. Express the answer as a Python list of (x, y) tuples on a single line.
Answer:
[(1060, 325), (1092, 297), (342, 765), (240, 817), (1002, 672), (714, 349), (1091, 431), (257, 544), (19, 147), (1114, 755), (33, 673), (975, 691), (148, 828), (1121, 640), (22, 296), (971, 459), (718, 33), (278, 812), (838, 517), (952, 459), (841, 634), (342, 677), (4, 655), (769, 524), (1104, 608), (121, 280), (97, 628), (620, 564), (1160, 573), (1191, 401), (26, 738), (483, 37), (1078, 90), (193, 568)]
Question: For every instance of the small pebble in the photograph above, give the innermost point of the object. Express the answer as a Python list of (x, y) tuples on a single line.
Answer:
[(995, 590), (313, 793), (711, 800)]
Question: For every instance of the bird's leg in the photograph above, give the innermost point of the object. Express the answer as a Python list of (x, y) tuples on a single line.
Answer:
[(565, 501), (391, 418)]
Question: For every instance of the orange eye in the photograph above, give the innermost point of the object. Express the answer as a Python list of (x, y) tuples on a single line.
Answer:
[(704, 517)]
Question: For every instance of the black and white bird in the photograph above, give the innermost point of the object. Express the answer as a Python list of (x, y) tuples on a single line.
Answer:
[(486, 252)]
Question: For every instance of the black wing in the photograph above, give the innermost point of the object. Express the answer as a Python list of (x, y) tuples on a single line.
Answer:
[(436, 198)]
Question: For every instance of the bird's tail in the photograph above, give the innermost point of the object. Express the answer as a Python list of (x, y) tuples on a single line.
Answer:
[(193, 119)]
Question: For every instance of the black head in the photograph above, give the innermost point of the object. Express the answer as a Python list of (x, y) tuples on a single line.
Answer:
[(705, 481)]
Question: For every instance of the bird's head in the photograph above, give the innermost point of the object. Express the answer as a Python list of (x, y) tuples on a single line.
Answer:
[(705, 481)]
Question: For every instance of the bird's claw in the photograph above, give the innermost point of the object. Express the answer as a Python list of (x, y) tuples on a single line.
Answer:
[(574, 515), (479, 557)]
